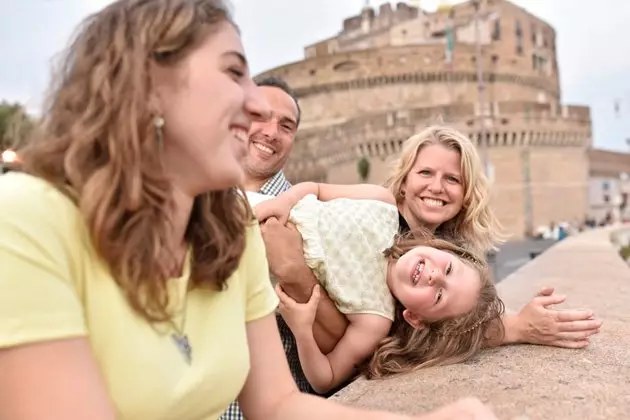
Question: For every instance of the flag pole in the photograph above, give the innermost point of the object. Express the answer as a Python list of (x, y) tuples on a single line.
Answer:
[(483, 141), (450, 47)]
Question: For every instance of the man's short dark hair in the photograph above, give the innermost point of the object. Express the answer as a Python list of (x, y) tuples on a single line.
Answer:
[(273, 81)]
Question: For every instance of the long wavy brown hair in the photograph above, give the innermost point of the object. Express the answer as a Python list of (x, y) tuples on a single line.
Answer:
[(97, 143), (442, 342)]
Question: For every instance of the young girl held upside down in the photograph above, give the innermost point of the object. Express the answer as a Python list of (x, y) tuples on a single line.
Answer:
[(411, 301)]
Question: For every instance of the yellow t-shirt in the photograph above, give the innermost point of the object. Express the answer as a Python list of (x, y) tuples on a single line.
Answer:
[(54, 286)]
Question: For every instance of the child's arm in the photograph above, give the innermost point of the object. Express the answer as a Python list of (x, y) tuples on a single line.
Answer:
[(325, 372), (327, 192), (280, 206)]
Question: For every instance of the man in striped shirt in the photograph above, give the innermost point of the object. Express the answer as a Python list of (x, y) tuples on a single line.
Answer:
[(270, 144)]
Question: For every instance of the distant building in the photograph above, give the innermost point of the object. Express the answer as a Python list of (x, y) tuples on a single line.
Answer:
[(391, 72), (609, 185)]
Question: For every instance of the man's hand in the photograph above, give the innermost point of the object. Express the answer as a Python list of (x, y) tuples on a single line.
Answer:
[(284, 247), (539, 323)]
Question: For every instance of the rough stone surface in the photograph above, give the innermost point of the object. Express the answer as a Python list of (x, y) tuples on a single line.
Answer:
[(534, 382)]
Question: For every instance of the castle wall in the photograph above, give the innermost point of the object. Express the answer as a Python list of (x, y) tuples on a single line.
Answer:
[(343, 86), (384, 77), (557, 189), (513, 39), (539, 160)]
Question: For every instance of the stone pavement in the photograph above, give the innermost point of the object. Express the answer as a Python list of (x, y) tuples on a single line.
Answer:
[(524, 382)]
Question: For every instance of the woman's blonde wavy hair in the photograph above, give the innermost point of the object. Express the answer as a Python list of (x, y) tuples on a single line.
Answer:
[(476, 224), (442, 342), (98, 144)]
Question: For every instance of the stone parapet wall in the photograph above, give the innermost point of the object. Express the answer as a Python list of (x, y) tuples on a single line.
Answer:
[(525, 382)]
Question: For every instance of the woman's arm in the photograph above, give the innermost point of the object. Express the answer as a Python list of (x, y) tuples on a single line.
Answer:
[(52, 380), (271, 394), (539, 323), (47, 369)]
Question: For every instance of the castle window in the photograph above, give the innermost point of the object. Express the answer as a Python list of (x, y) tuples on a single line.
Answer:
[(496, 31), (346, 66), (518, 29), (533, 35), (519, 37)]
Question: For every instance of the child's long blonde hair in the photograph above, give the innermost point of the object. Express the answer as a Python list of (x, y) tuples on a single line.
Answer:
[(443, 342)]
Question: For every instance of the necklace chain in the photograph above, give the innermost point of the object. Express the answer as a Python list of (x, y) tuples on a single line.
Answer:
[(179, 337)]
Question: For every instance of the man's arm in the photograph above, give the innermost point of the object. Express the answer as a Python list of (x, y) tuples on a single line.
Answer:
[(286, 262), (330, 325)]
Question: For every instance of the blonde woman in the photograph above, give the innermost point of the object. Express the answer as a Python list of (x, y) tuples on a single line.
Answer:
[(133, 276), (438, 183)]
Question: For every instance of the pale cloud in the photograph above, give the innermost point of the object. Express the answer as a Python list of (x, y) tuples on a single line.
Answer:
[(592, 44)]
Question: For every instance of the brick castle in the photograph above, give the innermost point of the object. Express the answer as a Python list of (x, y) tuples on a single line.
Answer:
[(391, 72)]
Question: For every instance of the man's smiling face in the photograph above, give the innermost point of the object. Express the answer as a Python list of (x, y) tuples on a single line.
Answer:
[(271, 141)]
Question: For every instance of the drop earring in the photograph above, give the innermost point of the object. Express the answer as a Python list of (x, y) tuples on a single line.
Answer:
[(158, 122)]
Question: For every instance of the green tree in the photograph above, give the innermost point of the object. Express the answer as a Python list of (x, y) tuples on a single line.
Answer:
[(363, 168), (15, 125)]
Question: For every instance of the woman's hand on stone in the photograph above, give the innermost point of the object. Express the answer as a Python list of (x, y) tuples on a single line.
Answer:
[(540, 323), (467, 408)]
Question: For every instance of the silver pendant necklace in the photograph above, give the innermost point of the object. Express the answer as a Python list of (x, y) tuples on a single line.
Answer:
[(180, 338), (183, 345)]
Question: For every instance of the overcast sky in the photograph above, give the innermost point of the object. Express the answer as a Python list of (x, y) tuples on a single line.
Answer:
[(593, 45)]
